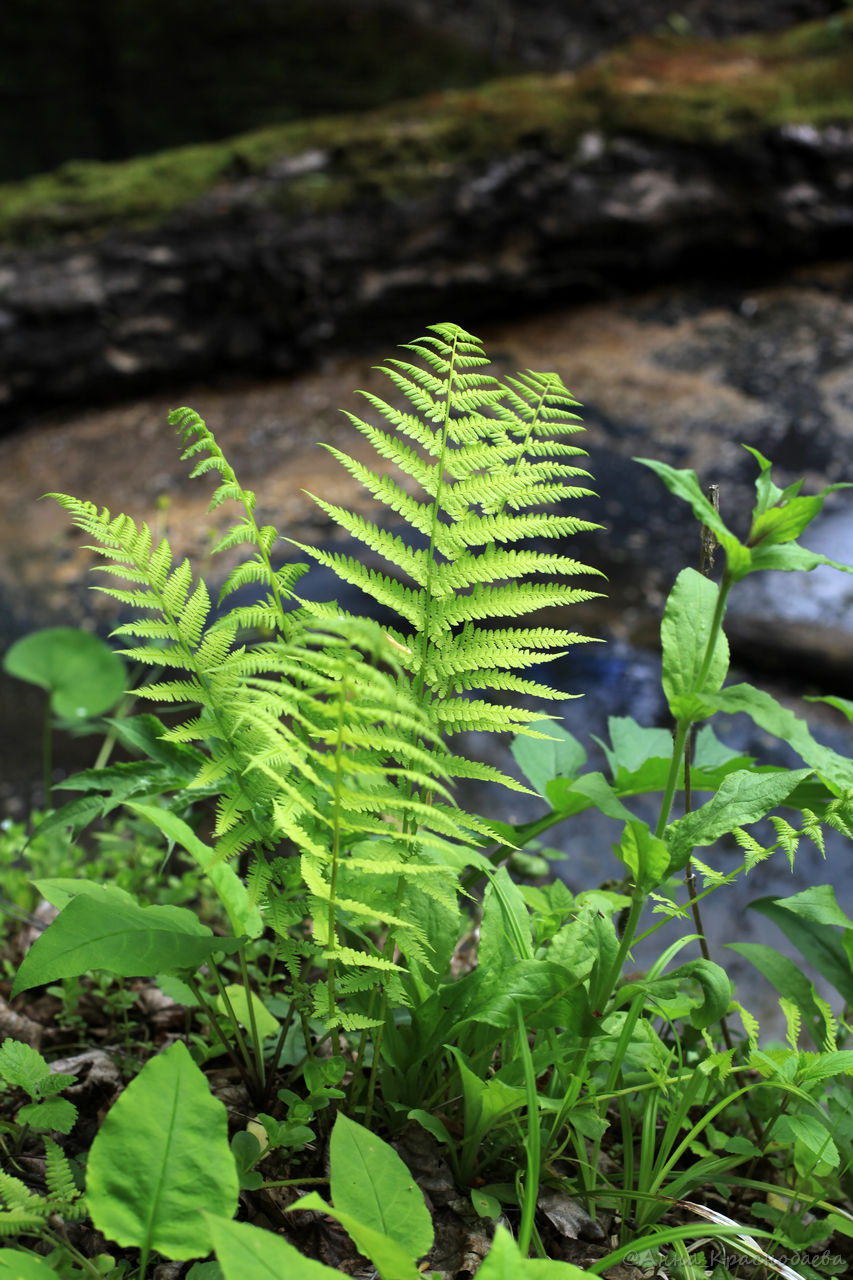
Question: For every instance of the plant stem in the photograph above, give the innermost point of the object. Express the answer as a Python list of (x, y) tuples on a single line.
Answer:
[(257, 1045), (194, 986), (235, 1025), (682, 728), (716, 626)]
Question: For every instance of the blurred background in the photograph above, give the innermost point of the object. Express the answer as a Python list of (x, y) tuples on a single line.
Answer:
[(243, 206)]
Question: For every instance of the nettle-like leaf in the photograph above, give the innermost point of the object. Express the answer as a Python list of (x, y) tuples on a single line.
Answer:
[(478, 467)]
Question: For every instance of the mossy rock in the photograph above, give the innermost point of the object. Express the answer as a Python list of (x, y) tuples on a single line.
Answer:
[(671, 88)]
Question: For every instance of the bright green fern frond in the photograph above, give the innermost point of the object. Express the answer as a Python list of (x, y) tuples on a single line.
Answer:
[(392, 547), (481, 466), (384, 590), (63, 1194), (199, 442)]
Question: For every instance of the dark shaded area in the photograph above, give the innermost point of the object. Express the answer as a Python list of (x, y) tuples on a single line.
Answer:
[(107, 79)]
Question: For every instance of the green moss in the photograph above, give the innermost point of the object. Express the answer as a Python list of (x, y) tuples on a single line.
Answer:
[(667, 87), (697, 92)]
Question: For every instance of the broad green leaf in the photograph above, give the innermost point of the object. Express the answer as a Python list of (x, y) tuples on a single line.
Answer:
[(818, 904), (645, 856), (548, 994), (487, 1102), (632, 744), (716, 987), (126, 939), (504, 926), (506, 1262), (771, 716), (808, 1130), (743, 797), (161, 1153), (248, 1253), (59, 891), (590, 790), (370, 1182), (789, 981), (820, 944), (82, 674), (232, 893), (639, 758), (685, 484), (685, 630), (15, 1265), (560, 755), (267, 1025), (392, 1260), (432, 1124), (485, 1205), (792, 558)]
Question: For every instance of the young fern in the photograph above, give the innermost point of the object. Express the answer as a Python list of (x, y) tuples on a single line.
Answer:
[(177, 635), (24, 1212), (313, 738), (332, 703), (326, 736), (482, 464), (267, 616)]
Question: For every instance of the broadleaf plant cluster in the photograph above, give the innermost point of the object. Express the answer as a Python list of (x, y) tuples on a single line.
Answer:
[(364, 957)]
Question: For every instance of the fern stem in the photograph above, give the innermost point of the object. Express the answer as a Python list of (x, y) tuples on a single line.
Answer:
[(213, 1018), (232, 1017), (420, 679), (257, 1045), (331, 924)]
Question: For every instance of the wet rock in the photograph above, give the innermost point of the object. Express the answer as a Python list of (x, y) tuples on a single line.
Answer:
[(665, 157)]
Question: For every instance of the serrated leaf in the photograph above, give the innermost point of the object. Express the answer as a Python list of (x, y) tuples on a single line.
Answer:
[(51, 1115), (743, 797)]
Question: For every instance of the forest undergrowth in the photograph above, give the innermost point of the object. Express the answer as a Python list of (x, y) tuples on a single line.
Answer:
[(276, 1003)]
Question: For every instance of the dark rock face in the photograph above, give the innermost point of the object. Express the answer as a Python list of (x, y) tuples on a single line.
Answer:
[(231, 284)]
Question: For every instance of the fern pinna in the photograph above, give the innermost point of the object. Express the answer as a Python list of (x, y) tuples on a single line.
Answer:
[(481, 464)]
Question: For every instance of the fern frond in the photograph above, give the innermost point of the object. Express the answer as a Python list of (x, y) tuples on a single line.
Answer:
[(63, 1194), (21, 1212), (482, 462)]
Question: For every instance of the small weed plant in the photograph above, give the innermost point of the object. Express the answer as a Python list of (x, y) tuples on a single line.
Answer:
[(373, 970)]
